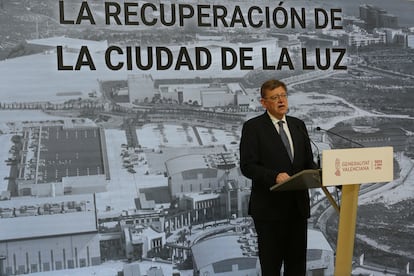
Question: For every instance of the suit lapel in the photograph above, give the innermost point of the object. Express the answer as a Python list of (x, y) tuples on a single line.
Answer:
[(276, 137), (271, 127)]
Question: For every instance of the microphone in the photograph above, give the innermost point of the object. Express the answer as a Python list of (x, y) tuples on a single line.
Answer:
[(316, 146), (340, 136)]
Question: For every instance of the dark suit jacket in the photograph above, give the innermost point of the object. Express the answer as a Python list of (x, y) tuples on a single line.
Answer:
[(263, 156)]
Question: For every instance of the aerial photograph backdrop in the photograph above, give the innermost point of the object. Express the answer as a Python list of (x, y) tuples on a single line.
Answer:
[(120, 124)]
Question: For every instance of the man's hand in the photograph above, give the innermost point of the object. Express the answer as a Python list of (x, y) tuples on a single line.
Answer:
[(281, 177)]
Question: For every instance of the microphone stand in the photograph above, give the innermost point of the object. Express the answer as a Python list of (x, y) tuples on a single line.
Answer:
[(334, 204), (340, 136), (316, 146)]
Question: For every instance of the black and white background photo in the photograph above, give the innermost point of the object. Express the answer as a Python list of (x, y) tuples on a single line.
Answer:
[(120, 123)]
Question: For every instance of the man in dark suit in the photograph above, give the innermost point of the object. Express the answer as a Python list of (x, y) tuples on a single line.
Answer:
[(280, 218)]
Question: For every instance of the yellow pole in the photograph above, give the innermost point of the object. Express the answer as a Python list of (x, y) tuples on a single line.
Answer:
[(346, 230)]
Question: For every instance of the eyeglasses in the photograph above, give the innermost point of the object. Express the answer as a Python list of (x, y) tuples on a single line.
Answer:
[(275, 98)]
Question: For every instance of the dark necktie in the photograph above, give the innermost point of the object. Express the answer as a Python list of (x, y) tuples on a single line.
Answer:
[(285, 139)]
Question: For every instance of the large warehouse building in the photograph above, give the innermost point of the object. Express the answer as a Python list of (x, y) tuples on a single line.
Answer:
[(46, 234)]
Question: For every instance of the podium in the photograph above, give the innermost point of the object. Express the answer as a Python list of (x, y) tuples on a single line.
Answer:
[(306, 179), (340, 168)]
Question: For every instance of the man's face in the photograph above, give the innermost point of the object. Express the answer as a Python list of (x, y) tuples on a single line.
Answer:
[(276, 102)]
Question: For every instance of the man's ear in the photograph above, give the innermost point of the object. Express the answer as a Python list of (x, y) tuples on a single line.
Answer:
[(262, 102)]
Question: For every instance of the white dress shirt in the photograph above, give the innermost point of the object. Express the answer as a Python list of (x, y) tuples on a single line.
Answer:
[(286, 129)]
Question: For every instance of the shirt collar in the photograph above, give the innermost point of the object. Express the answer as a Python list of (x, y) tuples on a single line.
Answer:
[(275, 120)]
